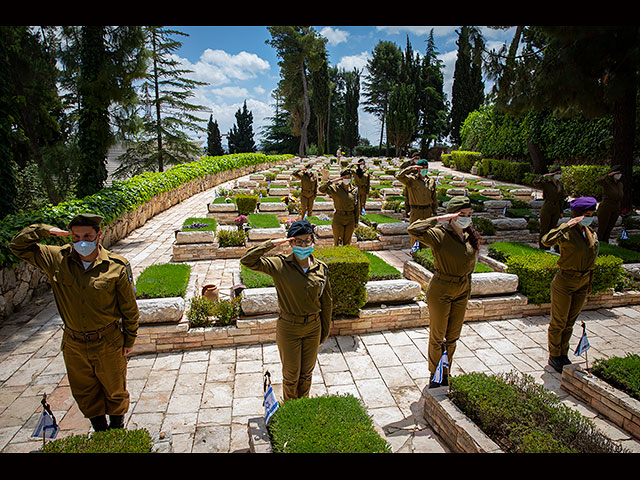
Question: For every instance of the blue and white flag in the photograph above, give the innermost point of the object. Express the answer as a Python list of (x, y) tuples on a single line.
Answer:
[(583, 344), (305, 216), (624, 235), (504, 211), (46, 427), (363, 212), (270, 403), (415, 247), (217, 196), (438, 375)]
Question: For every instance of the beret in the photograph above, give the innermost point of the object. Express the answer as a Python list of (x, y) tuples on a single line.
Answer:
[(583, 204), (86, 220), (557, 168), (346, 171), (422, 162), (299, 227), (458, 203), (616, 168)]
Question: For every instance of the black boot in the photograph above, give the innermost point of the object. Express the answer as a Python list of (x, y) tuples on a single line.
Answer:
[(445, 380), (556, 363), (565, 360), (433, 384), (116, 421), (99, 424)]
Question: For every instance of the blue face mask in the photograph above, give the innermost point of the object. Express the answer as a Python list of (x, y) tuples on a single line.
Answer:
[(586, 221), (84, 248), (424, 172), (302, 252)]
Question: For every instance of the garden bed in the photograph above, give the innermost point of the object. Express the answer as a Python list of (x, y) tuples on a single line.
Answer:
[(161, 293)]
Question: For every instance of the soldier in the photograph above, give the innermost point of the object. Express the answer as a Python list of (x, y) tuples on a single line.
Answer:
[(422, 194), (554, 198), (309, 189), (347, 208), (94, 293), (409, 163), (304, 301), (455, 245), (609, 208), (572, 283), (362, 180)]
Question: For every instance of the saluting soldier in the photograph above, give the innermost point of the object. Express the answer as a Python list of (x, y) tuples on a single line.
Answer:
[(554, 197), (422, 194), (345, 203), (94, 292), (408, 163), (611, 203), (455, 245), (308, 191), (362, 180), (304, 301), (572, 283)]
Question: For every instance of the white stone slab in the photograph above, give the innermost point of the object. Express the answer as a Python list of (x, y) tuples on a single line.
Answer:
[(161, 310), (222, 207), (195, 237), (401, 290), (262, 234)]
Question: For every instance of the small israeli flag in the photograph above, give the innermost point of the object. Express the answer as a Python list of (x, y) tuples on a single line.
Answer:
[(363, 212), (46, 427), (624, 235), (305, 215), (217, 196), (415, 247), (438, 375), (260, 195), (583, 344), (270, 403), (504, 211)]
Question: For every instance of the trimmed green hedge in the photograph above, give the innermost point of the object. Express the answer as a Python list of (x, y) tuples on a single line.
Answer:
[(424, 257), (621, 373), (125, 196)]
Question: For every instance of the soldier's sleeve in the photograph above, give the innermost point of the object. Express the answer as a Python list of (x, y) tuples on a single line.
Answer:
[(434, 196), (555, 235), (423, 231), (297, 174), (326, 187), (254, 258), (404, 176), (538, 181), (26, 247), (326, 302), (127, 303)]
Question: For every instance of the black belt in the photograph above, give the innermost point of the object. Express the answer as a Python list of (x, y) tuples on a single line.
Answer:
[(451, 278), (424, 207), (91, 336), (299, 318)]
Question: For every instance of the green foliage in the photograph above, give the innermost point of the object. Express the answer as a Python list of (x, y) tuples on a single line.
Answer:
[(117, 440), (393, 205), (370, 218), (203, 312), (317, 221), (381, 270), (622, 373), (519, 213), (121, 197), (325, 424), (191, 224), (199, 312), (263, 220), (505, 170), (580, 180), (246, 203), (424, 257), (365, 233), (165, 280), (483, 225), (522, 416), (627, 256), (631, 243), (348, 274), (253, 279), (464, 160), (231, 238)]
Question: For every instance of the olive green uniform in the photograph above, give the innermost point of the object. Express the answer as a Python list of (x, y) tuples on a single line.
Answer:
[(407, 207), (571, 284), (449, 289), (99, 313), (609, 208), (551, 211), (422, 195), (347, 210), (305, 307), (308, 191), (364, 186)]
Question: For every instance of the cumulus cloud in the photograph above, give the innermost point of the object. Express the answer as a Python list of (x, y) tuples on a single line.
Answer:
[(438, 30), (218, 67), (334, 35), (354, 61)]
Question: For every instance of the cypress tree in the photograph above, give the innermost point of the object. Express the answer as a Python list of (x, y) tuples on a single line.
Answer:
[(214, 139)]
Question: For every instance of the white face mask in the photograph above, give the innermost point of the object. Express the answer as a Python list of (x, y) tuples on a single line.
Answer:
[(617, 176), (586, 221), (557, 177), (462, 222), (346, 181)]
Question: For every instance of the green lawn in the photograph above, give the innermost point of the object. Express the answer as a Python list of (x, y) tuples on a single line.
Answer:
[(377, 218), (263, 220), (199, 224), (381, 270), (316, 221), (165, 280)]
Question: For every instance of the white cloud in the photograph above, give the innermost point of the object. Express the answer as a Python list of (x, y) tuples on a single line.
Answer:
[(230, 92), (438, 30), (217, 67), (334, 36), (350, 62)]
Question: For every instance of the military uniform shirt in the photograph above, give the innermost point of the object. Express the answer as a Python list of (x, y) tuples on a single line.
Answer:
[(552, 192), (612, 190), (309, 182), (343, 200), (451, 255), (87, 300), (363, 183), (421, 192), (578, 251)]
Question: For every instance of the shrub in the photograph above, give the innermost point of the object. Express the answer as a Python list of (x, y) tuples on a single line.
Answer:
[(226, 311), (246, 203), (627, 256), (204, 313), (365, 233), (464, 160), (622, 373), (165, 280), (446, 159), (505, 170), (381, 270), (348, 274), (119, 440), (200, 309), (200, 224), (371, 218), (253, 279), (521, 416), (231, 238), (325, 424), (483, 225), (263, 220), (580, 180), (630, 243), (394, 205)]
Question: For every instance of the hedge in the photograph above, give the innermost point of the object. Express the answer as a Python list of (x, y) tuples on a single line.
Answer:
[(123, 196)]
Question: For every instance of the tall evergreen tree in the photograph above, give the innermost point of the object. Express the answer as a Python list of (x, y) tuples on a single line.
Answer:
[(214, 139), (351, 104), (240, 136), (320, 102), (402, 121), (277, 137), (8, 191)]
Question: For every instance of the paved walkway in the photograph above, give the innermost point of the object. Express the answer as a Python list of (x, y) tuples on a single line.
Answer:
[(204, 398)]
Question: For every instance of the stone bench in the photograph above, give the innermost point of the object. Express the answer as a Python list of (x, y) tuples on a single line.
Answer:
[(207, 236)]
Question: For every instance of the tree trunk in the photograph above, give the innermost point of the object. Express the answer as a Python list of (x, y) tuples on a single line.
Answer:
[(307, 115), (624, 126), (158, 115), (538, 160)]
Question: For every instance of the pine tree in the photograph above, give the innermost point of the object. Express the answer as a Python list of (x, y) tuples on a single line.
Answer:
[(401, 121), (240, 136), (214, 139), (351, 101)]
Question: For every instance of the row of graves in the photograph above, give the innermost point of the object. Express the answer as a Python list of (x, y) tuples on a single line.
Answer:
[(262, 205)]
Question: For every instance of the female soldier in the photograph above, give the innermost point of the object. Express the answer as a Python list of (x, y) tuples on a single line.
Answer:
[(455, 245), (571, 285), (347, 209), (304, 301), (554, 197), (609, 208)]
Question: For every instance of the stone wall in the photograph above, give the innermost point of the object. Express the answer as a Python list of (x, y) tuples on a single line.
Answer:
[(18, 285)]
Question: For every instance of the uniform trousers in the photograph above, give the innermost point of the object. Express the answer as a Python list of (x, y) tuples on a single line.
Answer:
[(607, 217), (97, 371), (298, 343), (343, 226), (568, 294), (447, 299), (306, 205)]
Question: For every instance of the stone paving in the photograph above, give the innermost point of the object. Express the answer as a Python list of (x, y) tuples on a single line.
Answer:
[(204, 398)]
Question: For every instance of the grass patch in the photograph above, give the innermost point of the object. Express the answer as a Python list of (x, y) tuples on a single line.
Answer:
[(370, 218), (381, 270), (252, 279), (424, 257), (501, 251), (223, 200), (165, 280), (326, 424), (263, 220), (317, 221), (627, 256), (271, 200), (197, 224), (622, 373), (521, 416), (118, 440)]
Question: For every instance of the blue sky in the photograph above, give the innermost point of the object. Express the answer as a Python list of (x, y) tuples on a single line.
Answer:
[(239, 65)]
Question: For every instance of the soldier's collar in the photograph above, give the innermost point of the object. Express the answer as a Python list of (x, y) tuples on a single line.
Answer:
[(103, 255), (313, 264)]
